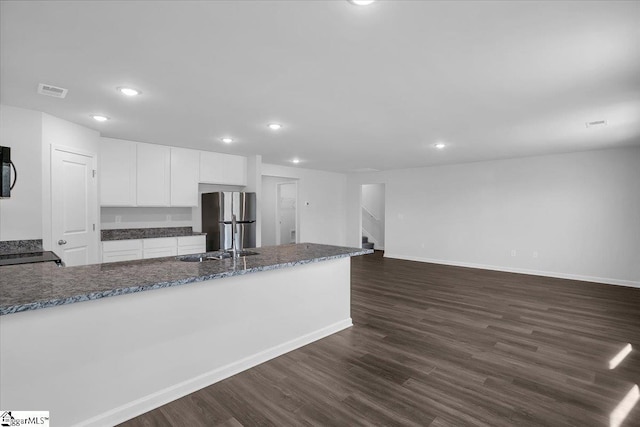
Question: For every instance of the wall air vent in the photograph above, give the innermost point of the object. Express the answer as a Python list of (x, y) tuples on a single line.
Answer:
[(56, 92)]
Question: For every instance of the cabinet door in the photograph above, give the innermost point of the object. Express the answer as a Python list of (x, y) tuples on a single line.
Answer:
[(153, 175), (218, 168), (235, 168), (117, 172), (185, 170)]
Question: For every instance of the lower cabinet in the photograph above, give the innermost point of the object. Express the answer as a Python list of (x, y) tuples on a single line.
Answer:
[(129, 250)]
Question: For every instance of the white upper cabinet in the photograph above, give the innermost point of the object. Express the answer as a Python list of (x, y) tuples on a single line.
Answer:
[(140, 174), (218, 168), (185, 167), (153, 174), (117, 172)]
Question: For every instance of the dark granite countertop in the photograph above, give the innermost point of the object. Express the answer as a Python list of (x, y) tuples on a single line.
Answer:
[(20, 246), (146, 233), (33, 286)]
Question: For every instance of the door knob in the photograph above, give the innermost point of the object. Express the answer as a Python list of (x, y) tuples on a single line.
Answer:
[(62, 242)]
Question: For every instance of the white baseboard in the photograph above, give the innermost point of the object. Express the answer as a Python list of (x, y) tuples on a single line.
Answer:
[(605, 280), (169, 394)]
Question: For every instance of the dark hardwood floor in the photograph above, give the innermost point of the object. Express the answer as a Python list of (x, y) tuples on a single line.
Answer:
[(435, 345)]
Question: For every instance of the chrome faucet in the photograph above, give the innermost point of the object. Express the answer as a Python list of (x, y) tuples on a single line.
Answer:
[(234, 228)]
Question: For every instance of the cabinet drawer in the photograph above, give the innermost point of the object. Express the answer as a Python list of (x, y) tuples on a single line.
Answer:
[(193, 249), (161, 242), (121, 245), (191, 240), (116, 256), (159, 252)]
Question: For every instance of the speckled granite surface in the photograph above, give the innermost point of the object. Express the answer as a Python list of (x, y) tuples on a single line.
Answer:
[(146, 233), (20, 246), (34, 286)]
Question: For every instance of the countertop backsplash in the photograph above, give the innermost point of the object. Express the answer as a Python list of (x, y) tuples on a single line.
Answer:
[(146, 233), (20, 246), (112, 218)]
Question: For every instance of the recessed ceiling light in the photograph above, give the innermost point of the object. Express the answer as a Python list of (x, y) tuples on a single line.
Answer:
[(99, 118), (227, 140), (440, 145), (129, 91), (296, 161), (361, 2), (275, 126)]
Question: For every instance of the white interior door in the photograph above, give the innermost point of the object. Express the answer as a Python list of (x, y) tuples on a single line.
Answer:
[(74, 207), (286, 215)]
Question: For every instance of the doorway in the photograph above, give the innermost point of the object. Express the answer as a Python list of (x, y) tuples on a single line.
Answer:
[(74, 203), (286, 213), (372, 208)]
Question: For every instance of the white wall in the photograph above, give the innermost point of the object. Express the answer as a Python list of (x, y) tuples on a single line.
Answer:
[(579, 213), (254, 184), (323, 219), (21, 215)]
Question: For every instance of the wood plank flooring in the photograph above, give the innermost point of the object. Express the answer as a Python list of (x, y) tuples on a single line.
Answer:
[(436, 345)]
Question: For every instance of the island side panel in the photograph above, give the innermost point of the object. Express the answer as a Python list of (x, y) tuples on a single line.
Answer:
[(104, 361)]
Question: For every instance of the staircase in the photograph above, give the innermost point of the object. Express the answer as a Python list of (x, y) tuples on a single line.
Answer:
[(366, 244), (372, 230)]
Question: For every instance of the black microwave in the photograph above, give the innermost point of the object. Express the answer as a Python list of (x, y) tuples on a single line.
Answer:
[(5, 173)]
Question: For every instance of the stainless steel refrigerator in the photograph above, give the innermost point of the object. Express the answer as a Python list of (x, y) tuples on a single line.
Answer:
[(217, 212)]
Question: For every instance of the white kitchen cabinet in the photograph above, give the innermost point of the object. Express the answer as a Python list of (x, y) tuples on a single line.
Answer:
[(159, 247), (121, 250), (218, 168), (185, 171), (153, 175), (117, 172), (192, 245), (141, 174)]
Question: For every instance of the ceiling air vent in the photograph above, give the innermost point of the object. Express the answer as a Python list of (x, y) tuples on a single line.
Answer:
[(56, 92), (361, 170), (596, 123)]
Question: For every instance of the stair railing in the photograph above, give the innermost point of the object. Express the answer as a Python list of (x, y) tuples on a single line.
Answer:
[(372, 226)]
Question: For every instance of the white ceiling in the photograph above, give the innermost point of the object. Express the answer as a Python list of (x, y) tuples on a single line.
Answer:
[(354, 87)]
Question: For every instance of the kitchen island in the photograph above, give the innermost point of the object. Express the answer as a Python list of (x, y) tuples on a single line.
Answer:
[(99, 344)]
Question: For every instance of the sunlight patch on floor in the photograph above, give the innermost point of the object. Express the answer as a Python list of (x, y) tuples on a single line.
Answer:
[(619, 414)]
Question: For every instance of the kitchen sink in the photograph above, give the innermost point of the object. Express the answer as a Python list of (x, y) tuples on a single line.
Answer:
[(245, 253), (213, 256)]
